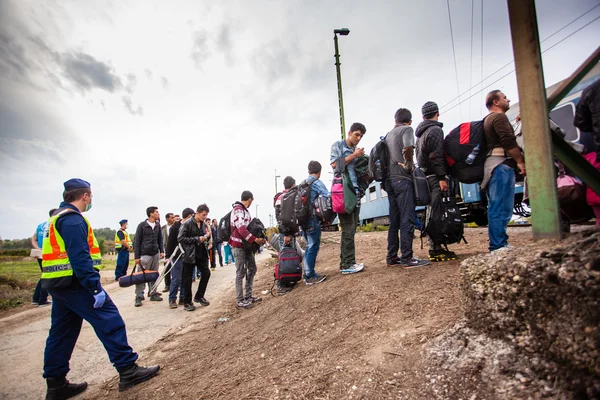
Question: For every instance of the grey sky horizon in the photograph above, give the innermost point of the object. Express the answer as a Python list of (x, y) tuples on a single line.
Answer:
[(181, 103)]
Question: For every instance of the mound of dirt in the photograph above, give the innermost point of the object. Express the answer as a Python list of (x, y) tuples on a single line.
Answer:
[(532, 321), (360, 336)]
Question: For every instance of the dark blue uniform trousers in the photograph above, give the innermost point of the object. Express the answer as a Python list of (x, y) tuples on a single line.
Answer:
[(122, 263), (69, 308)]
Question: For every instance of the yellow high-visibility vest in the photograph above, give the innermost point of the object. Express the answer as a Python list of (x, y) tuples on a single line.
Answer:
[(57, 272), (118, 244)]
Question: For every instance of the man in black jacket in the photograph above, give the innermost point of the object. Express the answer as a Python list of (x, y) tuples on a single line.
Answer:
[(148, 250), (430, 158), (193, 236), (177, 268), (587, 115), (216, 245)]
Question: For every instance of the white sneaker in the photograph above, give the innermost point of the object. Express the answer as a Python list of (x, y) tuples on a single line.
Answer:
[(353, 269)]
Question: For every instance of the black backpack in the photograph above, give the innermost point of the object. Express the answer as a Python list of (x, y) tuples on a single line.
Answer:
[(257, 228), (224, 228), (465, 151), (302, 206), (444, 223), (379, 160), (422, 193), (323, 209), (295, 206), (288, 268)]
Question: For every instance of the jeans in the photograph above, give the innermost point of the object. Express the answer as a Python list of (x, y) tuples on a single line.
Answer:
[(122, 263), (245, 267), (434, 189), (176, 281), (348, 223), (313, 244), (402, 219), (501, 199), (40, 295), (150, 263), (188, 270)]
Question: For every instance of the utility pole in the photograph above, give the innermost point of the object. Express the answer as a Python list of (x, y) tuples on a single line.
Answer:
[(343, 32), (276, 176), (534, 113)]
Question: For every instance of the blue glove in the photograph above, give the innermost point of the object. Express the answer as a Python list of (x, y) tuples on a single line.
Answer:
[(99, 298)]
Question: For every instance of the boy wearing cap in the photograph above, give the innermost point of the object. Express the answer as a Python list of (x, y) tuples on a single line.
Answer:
[(430, 158), (70, 254), (123, 247)]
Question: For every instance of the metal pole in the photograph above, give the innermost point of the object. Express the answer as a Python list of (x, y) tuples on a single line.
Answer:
[(257, 211), (276, 176), (534, 113), (339, 84)]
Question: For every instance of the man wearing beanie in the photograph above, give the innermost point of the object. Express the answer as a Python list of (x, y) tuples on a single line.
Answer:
[(401, 192), (430, 158)]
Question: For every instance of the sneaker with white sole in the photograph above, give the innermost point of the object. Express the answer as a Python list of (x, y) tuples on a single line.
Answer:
[(316, 278), (243, 304), (353, 269), (414, 263)]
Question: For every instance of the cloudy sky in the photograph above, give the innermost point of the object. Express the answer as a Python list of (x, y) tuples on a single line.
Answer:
[(179, 103)]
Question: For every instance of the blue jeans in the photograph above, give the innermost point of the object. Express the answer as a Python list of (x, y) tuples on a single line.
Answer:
[(313, 244), (122, 263), (402, 219), (176, 281), (501, 199)]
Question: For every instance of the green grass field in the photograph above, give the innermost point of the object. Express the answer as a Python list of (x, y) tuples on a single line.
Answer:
[(18, 280)]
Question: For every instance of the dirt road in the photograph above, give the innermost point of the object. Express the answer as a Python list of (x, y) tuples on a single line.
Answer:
[(24, 336)]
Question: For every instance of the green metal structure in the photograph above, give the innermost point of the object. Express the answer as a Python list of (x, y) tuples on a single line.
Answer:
[(343, 32)]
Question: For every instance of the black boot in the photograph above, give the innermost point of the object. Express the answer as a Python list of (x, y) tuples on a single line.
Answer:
[(134, 374), (61, 389)]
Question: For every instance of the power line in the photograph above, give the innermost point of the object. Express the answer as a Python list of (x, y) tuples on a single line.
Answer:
[(454, 53), (481, 54), (510, 72), (512, 61), (471, 61)]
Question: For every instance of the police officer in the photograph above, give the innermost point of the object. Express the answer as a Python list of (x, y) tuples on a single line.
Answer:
[(70, 253), (123, 247)]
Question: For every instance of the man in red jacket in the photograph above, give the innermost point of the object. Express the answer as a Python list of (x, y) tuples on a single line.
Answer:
[(245, 264)]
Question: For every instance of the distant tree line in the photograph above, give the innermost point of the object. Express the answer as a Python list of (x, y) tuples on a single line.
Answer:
[(105, 237)]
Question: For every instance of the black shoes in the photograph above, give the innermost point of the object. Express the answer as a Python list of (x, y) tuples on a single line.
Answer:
[(202, 301), (61, 389), (135, 374)]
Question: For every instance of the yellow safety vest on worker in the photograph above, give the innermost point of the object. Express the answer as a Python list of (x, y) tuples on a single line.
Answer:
[(118, 244), (57, 272)]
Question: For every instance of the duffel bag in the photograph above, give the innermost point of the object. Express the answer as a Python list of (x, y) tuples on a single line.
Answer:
[(140, 277)]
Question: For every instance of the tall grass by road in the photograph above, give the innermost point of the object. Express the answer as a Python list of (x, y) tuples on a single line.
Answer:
[(19, 276)]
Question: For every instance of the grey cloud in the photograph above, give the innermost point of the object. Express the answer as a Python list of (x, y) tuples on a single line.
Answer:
[(165, 82), (225, 44), (131, 83), (88, 73), (149, 74), (130, 108), (273, 61), (200, 50)]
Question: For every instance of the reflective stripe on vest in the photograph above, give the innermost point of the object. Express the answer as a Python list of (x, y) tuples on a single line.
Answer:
[(56, 267), (127, 239)]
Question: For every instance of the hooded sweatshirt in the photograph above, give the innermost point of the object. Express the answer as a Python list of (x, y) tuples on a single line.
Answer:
[(430, 148)]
